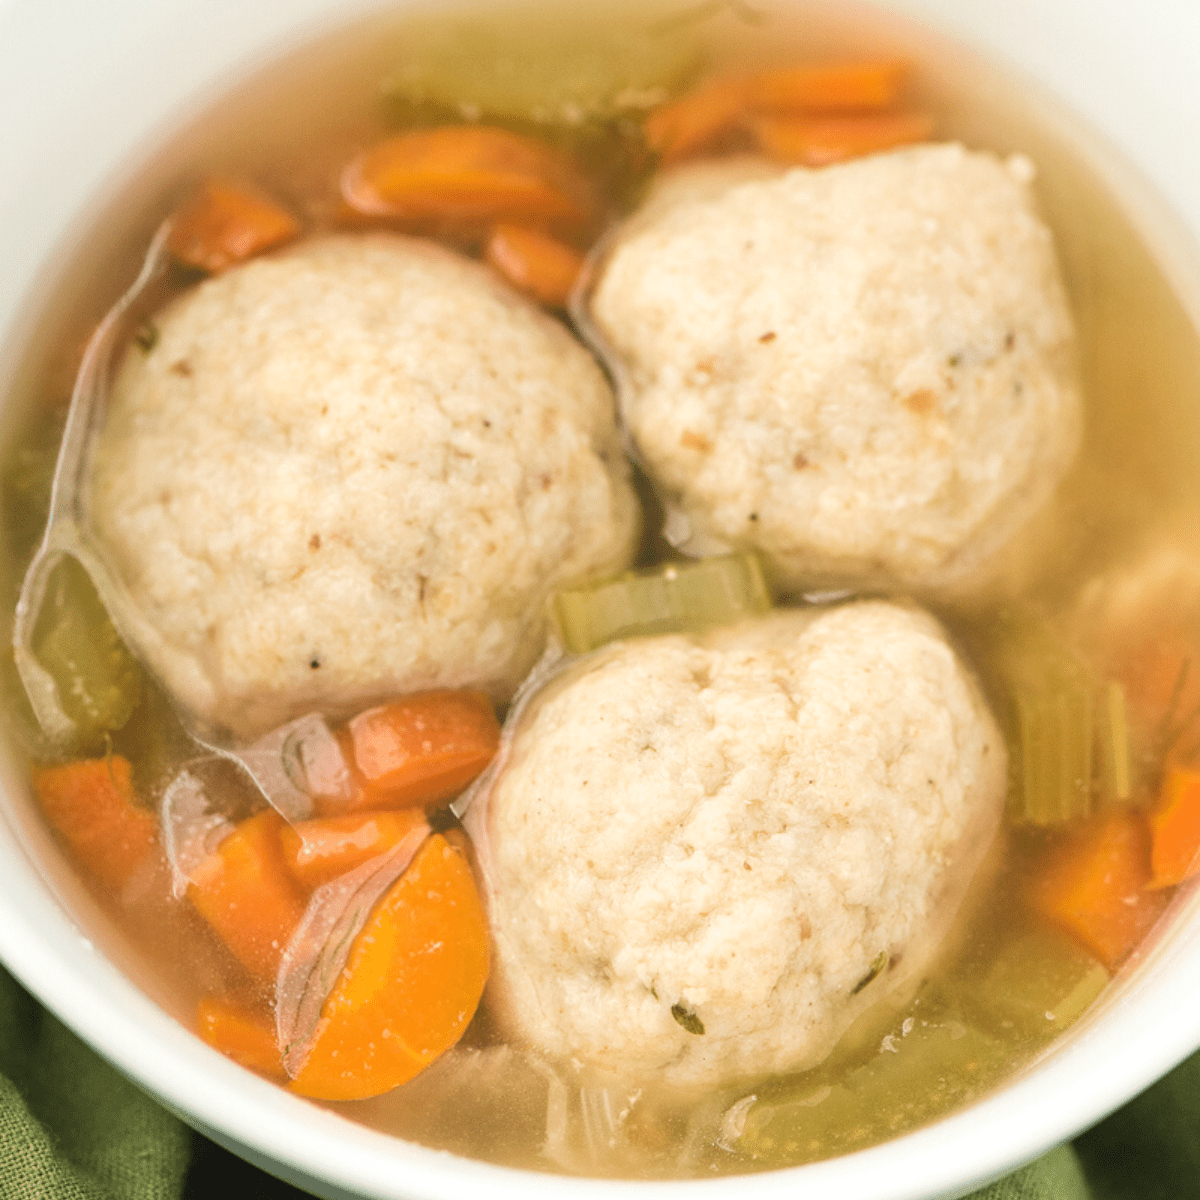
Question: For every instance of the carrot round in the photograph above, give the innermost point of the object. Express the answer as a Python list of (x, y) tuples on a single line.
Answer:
[(829, 87), (410, 986), (1175, 828), (225, 223), (420, 750), (1094, 887), (318, 851), (245, 892), (91, 803), (698, 119), (242, 1034), (819, 141), (534, 262), (467, 173)]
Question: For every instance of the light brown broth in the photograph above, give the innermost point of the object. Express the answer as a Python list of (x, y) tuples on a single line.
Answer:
[(289, 129)]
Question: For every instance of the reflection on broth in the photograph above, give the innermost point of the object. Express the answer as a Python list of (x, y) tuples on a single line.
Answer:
[(521, 141)]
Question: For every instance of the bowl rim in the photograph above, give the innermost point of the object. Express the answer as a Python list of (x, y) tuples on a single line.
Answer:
[(1149, 1024)]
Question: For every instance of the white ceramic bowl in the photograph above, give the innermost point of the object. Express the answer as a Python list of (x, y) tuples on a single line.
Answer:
[(86, 92)]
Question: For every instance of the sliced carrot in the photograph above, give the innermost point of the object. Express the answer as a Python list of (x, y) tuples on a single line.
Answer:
[(534, 262), (91, 803), (830, 87), (245, 892), (246, 1036), (318, 851), (819, 141), (1094, 887), (698, 119), (1175, 828), (467, 173), (410, 986), (419, 750), (225, 223)]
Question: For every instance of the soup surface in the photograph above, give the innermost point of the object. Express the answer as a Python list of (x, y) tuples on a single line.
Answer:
[(1086, 640)]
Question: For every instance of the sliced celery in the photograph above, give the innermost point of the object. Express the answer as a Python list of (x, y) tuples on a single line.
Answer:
[(685, 597), (1116, 774), (1037, 983), (1051, 701), (529, 63), (928, 1065), (98, 681), (26, 478), (154, 740), (1069, 732)]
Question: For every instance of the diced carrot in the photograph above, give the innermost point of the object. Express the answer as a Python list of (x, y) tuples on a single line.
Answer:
[(467, 173), (242, 1034), (91, 803), (698, 119), (225, 223), (245, 892), (1094, 887), (534, 262), (819, 141), (411, 985), (829, 87), (1175, 828), (319, 851), (419, 750)]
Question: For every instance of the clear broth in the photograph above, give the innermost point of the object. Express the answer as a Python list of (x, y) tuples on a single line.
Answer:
[(288, 129)]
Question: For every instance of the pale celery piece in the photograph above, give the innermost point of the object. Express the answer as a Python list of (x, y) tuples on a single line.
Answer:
[(1115, 751), (898, 1068), (1068, 730), (1052, 713), (684, 597), (1037, 984), (99, 682), (154, 740), (530, 62), (930, 1063)]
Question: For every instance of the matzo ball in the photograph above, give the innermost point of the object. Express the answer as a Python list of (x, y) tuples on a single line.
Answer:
[(864, 371), (353, 469)]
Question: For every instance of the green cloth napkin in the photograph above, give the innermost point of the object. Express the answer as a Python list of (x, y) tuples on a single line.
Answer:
[(72, 1128)]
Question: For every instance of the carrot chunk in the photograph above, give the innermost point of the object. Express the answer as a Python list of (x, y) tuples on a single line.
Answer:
[(829, 87), (698, 119), (226, 223), (1175, 828), (245, 892), (467, 173), (318, 851), (534, 262), (419, 750), (1094, 887), (91, 804), (412, 982), (239, 1033), (818, 141)]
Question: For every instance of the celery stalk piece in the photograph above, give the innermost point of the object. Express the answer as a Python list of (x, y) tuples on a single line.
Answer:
[(1115, 753), (926, 1067), (1070, 735), (1051, 700), (1037, 983), (529, 63), (99, 683), (678, 598)]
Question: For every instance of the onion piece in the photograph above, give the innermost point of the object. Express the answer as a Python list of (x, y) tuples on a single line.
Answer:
[(319, 948)]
